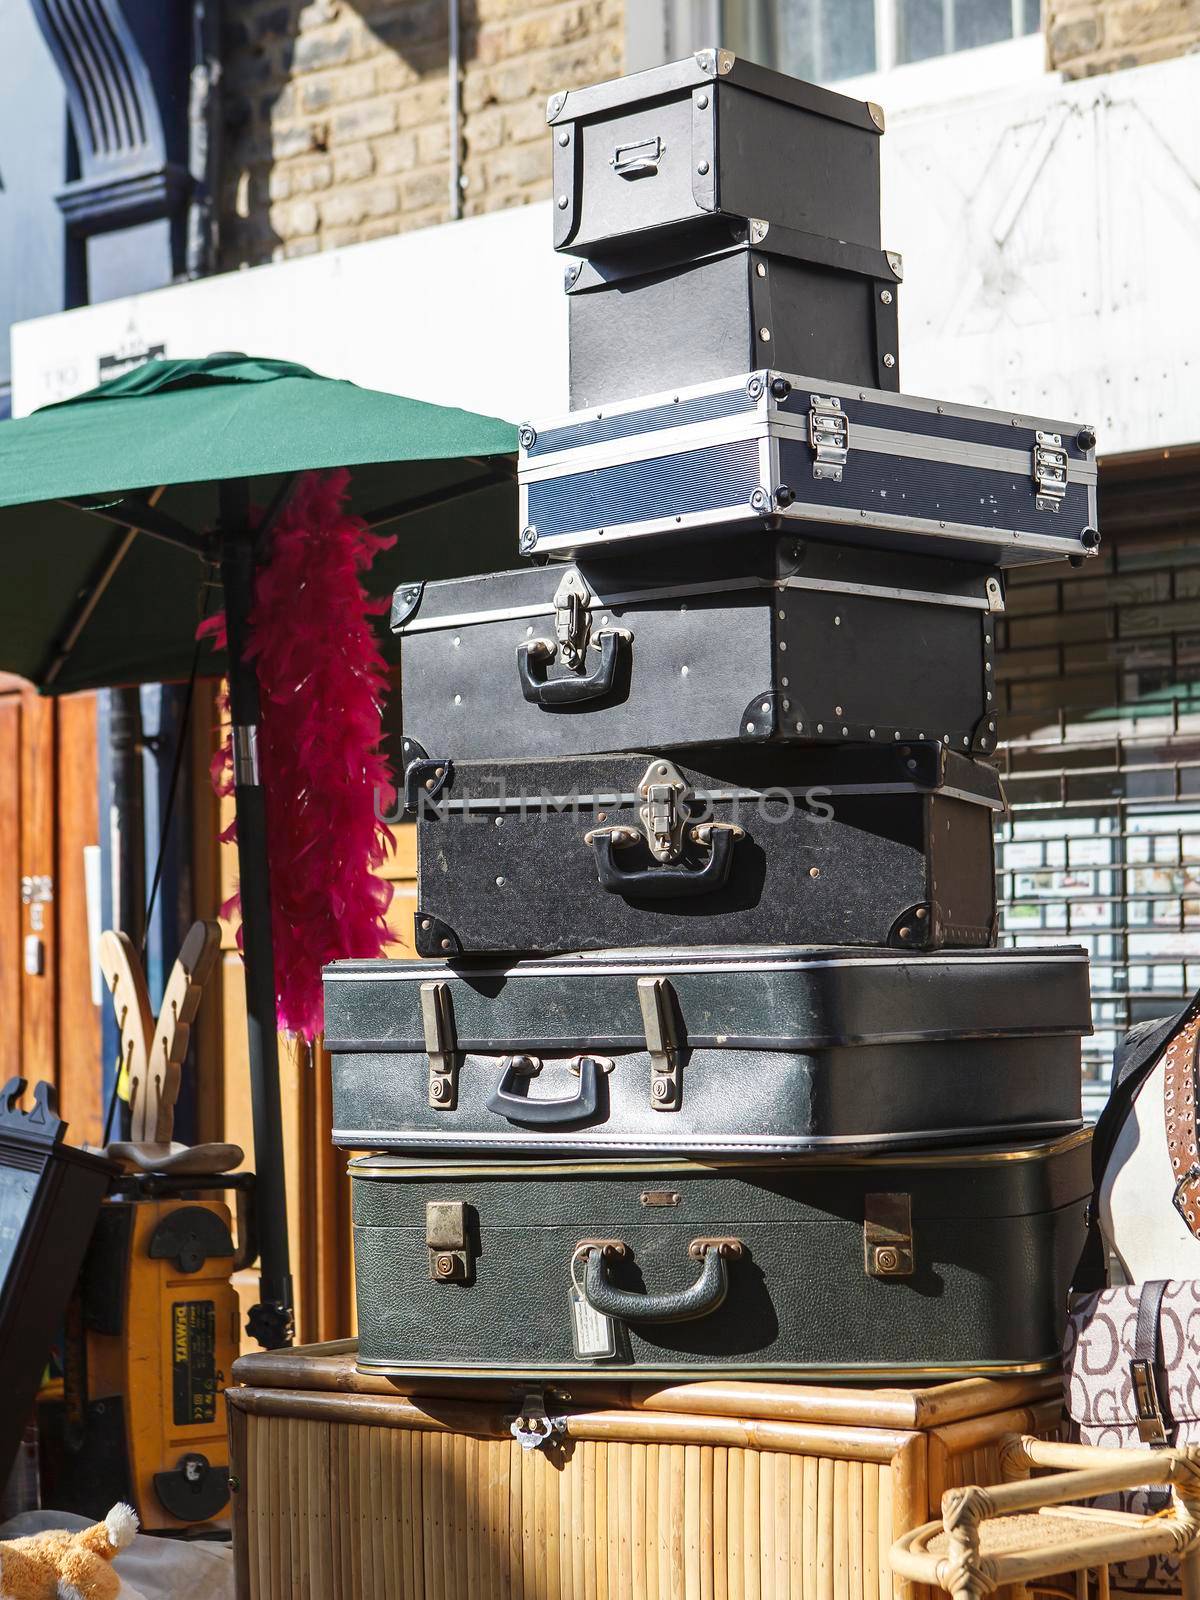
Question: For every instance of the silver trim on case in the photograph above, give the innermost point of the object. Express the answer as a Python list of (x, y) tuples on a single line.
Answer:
[(669, 963), (733, 430), (362, 1138), (688, 591), (855, 391)]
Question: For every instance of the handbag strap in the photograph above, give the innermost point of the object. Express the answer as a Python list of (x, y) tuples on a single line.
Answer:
[(1179, 1112), (1092, 1270), (1150, 1395)]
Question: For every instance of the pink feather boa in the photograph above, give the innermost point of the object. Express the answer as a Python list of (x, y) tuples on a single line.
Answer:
[(322, 679)]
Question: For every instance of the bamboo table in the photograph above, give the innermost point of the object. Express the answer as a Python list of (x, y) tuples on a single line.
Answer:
[(349, 1488)]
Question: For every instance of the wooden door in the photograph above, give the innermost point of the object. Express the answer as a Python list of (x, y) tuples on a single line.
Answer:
[(48, 815)]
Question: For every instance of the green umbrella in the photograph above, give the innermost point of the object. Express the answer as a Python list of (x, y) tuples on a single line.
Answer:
[(119, 508)]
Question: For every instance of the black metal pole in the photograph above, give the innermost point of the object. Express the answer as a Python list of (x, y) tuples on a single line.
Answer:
[(127, 816), (271, 1321)]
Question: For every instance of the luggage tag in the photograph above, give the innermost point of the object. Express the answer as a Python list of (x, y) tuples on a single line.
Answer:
[(593, 1335)]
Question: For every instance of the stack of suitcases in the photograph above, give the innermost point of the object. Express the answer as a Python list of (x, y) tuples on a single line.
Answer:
[(713, 1065)]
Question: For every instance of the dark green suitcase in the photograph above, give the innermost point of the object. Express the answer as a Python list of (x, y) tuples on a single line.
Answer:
[(935, 1264)]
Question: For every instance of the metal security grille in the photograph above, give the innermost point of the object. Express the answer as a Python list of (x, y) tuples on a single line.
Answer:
[(1099, 687)]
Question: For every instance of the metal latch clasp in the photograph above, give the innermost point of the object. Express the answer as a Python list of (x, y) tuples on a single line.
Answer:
[(441, 1044), (829, 436), (887, 1236), (572, 620), (1049, 471), (664, 1041), (1151, 1425), (533, 1426), (446, 1240), (665, 810)]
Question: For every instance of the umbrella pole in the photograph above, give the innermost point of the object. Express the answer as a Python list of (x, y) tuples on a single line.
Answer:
[(271, 1321)]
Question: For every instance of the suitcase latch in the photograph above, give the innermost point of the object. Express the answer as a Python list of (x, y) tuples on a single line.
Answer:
[(534, 1426), (664, 811), (664, 1041), (572, 620), (446, 1240), (829, 436), (441, 1044), (1049, 471), (887, 1236)]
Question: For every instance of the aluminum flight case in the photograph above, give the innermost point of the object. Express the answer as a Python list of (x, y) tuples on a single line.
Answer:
[(671, 149), (746, 1052), (742, 845), (777, 639), (846, 463), (756, 296), (941, 1262)]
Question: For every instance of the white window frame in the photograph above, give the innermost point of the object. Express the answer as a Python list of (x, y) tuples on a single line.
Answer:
[(665, 30)]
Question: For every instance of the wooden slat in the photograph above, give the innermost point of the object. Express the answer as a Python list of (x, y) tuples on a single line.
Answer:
[(11, 910), (76, 803), (39, 996)]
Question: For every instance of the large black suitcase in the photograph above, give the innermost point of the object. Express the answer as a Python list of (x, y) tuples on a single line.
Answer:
[(744, 845), (770, 449), (776, 639), (673, 148), (747, 1052), (760, 296), (945, 1263)]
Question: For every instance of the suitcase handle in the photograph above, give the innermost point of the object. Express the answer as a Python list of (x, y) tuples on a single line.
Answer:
[(684, 1305), (548, 1113), (665, 883), (543, 691)]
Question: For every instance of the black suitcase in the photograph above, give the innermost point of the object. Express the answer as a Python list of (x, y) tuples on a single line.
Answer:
[(676, 147), (744, 1052), (776, 639), (947, 1264), (846, 463), (743, 846), (760, 296)]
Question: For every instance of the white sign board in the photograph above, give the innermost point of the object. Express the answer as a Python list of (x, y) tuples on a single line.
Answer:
[(1049, 236)]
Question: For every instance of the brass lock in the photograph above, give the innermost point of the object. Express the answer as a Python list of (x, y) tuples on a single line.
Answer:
[(887, 1236), (447, 1242)]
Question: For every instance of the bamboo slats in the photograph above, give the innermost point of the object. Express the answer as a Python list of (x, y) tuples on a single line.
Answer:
[(773, 1492)]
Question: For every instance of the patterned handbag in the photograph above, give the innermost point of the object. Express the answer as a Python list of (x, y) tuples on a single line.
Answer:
[(1131, 1355)]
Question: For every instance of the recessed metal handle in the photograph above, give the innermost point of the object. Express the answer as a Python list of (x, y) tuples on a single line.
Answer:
[(669, 882), (699, 1300), (534, 654), (637, 160)]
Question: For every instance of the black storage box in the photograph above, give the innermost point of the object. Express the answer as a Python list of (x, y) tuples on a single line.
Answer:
[(671, 148), (776, 639), (770, 449), (945, 1263), (745, 1052), (762, 296), (742, 846), (50, 1198)]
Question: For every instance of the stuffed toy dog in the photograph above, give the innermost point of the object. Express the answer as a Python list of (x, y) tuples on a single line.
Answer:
[(57, 1565)]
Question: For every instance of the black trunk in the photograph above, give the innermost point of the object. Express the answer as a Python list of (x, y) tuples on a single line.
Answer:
[(743, 846), (775, 639)]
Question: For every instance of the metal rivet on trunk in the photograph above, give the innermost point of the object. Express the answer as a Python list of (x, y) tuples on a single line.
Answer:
[(563, 202), (886, 297), (889, 360), (702, 168)]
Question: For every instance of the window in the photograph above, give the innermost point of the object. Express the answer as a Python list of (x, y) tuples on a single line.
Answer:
[(830, 39)]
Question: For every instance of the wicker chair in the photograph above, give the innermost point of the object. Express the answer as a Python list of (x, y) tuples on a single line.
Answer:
[(1019, 1532)]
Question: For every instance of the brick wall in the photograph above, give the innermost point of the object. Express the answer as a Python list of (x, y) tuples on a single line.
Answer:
[(336, 113), (1089, 36)]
